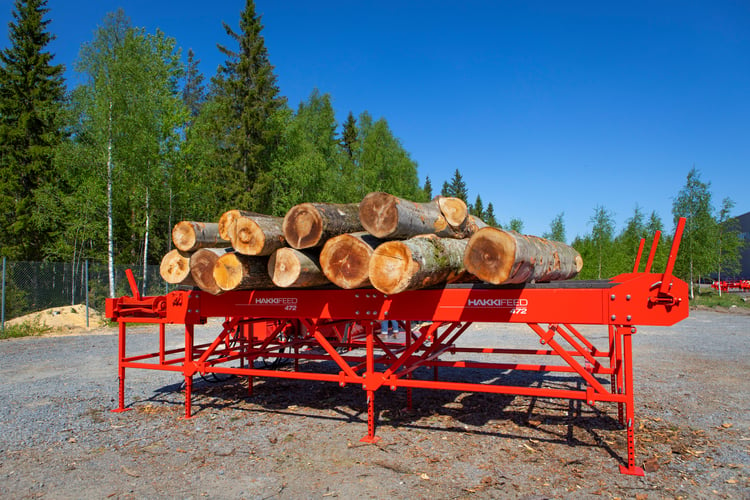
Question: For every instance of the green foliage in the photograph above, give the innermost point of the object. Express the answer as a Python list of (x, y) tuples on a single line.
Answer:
[(194, 91), (697, 254), (247, 99), (556, 229), (427, 188), (708, 297), (456, 187), (25, 329), (516, 225), (31, 94), (477, 209), (489, 216), (728, 242)]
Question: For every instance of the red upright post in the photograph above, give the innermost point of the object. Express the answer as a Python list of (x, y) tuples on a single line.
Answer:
[(188, 368), (121, 368), (627, 362), (369, 376)]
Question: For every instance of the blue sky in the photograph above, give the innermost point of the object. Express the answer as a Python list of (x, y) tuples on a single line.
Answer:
[(544, 107)]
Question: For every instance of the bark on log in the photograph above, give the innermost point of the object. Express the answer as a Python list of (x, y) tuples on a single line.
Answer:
[(257, 234), (397, 266), (498, 256), (189, 236), (310, 224), (389, 217), (292, 268), (202, 264), (345, 259), (175, 268), (234, 271)]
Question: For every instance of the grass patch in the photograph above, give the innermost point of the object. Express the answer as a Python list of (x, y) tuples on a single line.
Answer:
[(25, 329), (710, 298)]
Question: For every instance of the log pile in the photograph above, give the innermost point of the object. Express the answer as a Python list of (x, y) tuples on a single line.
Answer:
[(385, 242)]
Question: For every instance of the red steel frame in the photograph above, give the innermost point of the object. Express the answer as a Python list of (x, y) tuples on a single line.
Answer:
[(321, 325)]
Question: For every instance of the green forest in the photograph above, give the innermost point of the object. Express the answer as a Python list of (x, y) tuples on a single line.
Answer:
[(103, 170)]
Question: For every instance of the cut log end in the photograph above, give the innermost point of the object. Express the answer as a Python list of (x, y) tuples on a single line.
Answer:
[(228, 272), (226, 224), (345, 260), (490, 255), (284, 268), (390, 267), (378, 213), (303, 226), (175, 268), (248, 236), (202, 269), (183, 236), (454, 210)]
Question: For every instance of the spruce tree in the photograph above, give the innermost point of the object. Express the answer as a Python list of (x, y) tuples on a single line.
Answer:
[(194, 91), (427, 188), (456, 187), (248, 99), (349, 136), (489, 216), (31, 93), (477, 209)]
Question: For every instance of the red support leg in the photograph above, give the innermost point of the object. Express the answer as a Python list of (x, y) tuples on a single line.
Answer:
[(371, 437), (121, 370), (188, 368), (627, 361)]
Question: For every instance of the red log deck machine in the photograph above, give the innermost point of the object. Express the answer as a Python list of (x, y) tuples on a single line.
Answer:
[(303, 325)]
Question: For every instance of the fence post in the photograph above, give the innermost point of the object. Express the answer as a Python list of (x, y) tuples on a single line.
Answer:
[(86, 279), (3, 299)]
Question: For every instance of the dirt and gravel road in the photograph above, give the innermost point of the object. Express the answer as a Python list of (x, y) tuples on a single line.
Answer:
[(295, 439)]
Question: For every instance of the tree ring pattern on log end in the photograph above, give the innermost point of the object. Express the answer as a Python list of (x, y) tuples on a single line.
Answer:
[(228, 271), (490, 255), (226, 224), (183, 236), (390, 267), (346, 264), (284, 268), (303, 226), (378, 213), (248, 236), (175, 267), (201, 268)]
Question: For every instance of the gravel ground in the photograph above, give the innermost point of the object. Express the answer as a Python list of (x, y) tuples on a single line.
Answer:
[(295, 439)]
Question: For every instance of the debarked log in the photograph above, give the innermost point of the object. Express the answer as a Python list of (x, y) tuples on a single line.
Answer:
[(235, 271), (257, 234), (189, 236), (292, 268), (389, 217), (309, 225), (175, 268), (421, 262), (498, 257), (345, 259)]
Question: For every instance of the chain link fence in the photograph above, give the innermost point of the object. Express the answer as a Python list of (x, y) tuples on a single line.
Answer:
[(29, 287)]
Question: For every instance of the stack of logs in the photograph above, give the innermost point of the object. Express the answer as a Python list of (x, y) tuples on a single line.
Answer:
[(384, 242)]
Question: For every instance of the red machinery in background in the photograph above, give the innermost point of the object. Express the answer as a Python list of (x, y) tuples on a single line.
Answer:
[(340, 326)]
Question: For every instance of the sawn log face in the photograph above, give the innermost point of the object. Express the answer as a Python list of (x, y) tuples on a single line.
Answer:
[(345, 259), (309, 225)]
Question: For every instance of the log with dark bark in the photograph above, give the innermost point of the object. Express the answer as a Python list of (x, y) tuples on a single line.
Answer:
[(498, 256), (202, 263), (175, 268), (421, 262), (257, 234), (292, 268), (309, 225), (389, 217), (345, 259), (234, 271), (189, 236)]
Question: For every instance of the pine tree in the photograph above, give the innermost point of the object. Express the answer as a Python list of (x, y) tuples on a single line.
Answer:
[(349, 136), (31, 93), (477, 209), (194, 91), (456, 187), (489, 216), (427, 188), (248, 99)]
